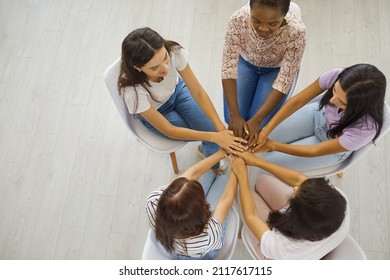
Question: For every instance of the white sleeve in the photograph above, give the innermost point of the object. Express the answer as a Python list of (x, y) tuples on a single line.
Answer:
[(136, 101), (179, 58)]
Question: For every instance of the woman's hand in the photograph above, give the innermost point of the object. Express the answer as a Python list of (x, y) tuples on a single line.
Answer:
[(253, 131), (261, 138), (266, 147), (230, 143), (249, 158), (238, 126), (238, 165)]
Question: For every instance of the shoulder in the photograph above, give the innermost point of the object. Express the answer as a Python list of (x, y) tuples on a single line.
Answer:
[(179, 57), (177, 50), (155, 195), (328, 78), (213, 227), (241, 15), (295, 25)]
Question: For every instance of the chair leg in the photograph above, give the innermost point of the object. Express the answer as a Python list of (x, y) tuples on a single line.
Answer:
[(174, 162), (340, 174)]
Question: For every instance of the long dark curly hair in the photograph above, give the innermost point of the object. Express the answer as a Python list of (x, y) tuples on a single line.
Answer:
[(315, 212)]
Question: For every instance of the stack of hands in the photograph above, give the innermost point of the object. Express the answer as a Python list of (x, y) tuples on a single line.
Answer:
[(235, 144)]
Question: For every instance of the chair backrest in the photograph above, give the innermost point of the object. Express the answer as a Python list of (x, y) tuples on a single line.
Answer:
[(355, 156), (153, 250), (144, 135), (349, 249), (251, 243), (294, 8)]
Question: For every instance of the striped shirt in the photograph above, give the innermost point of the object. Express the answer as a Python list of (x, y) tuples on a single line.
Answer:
[(197, 246)]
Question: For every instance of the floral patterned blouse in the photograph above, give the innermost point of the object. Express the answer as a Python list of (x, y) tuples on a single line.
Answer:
[(284, 48)]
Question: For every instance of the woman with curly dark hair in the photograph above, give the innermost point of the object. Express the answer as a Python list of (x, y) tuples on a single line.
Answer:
[(291, 216)]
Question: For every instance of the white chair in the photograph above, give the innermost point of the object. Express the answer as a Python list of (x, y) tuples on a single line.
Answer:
[(294, 8), (251, 243), (153, 250), (145, 136), (349, 249), (354, 157)]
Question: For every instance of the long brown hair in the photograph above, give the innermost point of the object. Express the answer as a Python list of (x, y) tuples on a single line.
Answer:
[(182, 212), (137, 49)]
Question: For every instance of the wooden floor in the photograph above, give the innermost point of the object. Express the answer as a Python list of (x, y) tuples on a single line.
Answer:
[(73, 181)]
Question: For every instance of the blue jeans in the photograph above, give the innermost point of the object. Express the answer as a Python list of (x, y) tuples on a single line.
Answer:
[(305, 127), (183, 111), (213, 187), (254, 84)]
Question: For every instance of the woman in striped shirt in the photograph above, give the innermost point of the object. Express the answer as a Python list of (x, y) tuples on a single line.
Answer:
[(189, 216)]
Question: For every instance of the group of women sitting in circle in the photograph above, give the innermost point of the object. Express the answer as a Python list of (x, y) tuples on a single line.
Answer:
[(292, 216)]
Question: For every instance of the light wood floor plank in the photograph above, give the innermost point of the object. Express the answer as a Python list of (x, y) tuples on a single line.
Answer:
[(85, 167), (53, 199), (74, 180), (97, 229), (83, 72), (23, 226)]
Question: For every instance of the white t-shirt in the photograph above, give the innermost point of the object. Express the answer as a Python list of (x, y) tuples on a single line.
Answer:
[(275, 245), (161, 91)]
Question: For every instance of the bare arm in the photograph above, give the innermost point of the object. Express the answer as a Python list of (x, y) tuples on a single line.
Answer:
[(253, 124), (236, 123), (291, 106), (225, 139), (328, 147), (257, 226), (201, 167), (290, 177), (226, 200)]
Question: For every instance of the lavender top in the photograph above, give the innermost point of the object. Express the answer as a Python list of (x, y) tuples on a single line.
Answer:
[(355, 136)]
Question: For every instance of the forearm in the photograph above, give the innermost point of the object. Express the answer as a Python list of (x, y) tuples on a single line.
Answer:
[(230, 93), (182, 133), (292, 105), (286, 175), (320, 149), (208, 108), (270, 103), (226, 200), (201, 167), (247, 203), (229, 193)]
